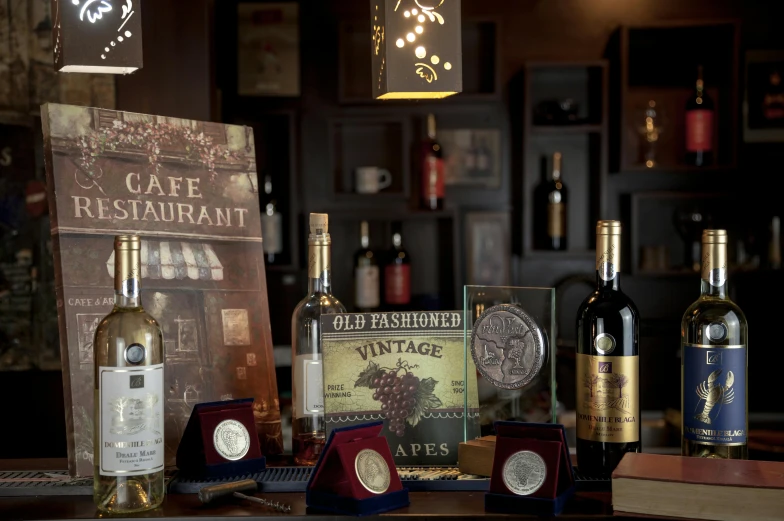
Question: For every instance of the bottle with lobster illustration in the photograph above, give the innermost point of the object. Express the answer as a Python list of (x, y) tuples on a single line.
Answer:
[(714, 350)]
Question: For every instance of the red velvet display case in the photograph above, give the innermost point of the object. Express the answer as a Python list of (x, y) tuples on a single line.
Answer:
[(220, 440), (334, 485), (541, 493)]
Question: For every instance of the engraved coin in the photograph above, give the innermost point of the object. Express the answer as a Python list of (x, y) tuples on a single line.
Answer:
[(372, 471), (604, 343), (508, 346), (524, 472), (607, 271), (231, 439)]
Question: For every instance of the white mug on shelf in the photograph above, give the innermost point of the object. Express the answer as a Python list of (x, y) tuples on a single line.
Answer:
[(371, 179)]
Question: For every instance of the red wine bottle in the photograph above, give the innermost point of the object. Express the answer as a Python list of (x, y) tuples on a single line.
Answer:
[(699, 125), (397, 274), (432, 169)]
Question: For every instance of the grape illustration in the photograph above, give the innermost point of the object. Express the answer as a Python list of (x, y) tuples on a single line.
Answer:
[(403, 398), (396, 390)]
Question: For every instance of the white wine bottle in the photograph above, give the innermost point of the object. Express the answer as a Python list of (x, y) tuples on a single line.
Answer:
[(307, 426), (714, 363), (128, 351)]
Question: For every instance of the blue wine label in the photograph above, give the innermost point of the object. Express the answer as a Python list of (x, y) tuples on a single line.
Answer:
[(714, 394)]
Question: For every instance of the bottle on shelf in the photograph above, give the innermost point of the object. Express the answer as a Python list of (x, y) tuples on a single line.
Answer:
[(714, 363), (308, 427), (699, 125), (432, 169), (397, 273), (774, 247), (608, 403), (271, 224), (550, 209), (128, 354), (367, 279)]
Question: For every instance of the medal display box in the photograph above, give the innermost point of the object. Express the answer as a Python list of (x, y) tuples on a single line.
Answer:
[(220, 440), (355, 474), (509, 343), (532, 471)]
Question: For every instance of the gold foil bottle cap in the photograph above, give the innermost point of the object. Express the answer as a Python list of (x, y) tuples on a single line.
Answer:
[(127, 242), (714, 236), (319, 224), (608, 228)]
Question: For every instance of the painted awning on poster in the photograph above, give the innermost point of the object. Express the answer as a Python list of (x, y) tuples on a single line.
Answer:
[(176, 260)]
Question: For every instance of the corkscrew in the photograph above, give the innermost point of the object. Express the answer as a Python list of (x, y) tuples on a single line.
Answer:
[(213, 493)]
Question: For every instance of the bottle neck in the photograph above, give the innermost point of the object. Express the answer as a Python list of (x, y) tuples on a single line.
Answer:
[(709, 290), (319, 266), (713, 275), (603, 285), (365, 241), (397, 240), (127, 279)]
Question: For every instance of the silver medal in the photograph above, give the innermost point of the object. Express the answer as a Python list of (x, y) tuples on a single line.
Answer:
[(372, 471), (524, 472), (231, 440)]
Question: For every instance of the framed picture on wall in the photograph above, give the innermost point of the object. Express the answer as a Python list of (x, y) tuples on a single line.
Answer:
[(268, 49), (489, 252), (763, 102), (472, 156)]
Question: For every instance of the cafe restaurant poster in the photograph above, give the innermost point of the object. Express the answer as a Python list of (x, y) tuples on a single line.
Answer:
[(190, 190), (423, 400)]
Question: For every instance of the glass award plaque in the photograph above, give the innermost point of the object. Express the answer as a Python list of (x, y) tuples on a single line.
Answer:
[(509, 343)]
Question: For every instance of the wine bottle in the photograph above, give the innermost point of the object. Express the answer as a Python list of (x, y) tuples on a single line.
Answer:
[(483, 160), (608, 404), (397, 273), (129, 412), (714, 363), (699, 125), (432, 169), (271, 224), (550, 209), (367, 289), (308, 430)]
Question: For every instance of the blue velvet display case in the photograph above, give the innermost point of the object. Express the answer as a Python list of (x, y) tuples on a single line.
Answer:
[(197, 455), (334, 485), (548, 440)]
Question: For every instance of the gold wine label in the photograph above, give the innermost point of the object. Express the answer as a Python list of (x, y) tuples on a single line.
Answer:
[(127, 265), (608, 402), (608, 249), (714, 257), (556, 220)]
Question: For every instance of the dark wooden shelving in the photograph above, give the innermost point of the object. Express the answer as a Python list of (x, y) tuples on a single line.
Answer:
[(658, 61), (583, 145), (566, 129)]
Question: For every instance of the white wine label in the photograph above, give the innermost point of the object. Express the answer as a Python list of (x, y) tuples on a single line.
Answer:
[(272, 232), (556, 219), (714, 394), (368, 291), (608, 402), (131, 420), (309, 385)]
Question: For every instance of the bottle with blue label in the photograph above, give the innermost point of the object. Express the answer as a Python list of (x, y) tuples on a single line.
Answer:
[(714, 358)]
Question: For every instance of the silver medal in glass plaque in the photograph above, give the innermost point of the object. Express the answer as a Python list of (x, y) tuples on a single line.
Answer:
[(372, 471), (231, 439), (524, 472), (508, 346)]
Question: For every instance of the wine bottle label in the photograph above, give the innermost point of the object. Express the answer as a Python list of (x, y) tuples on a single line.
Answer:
[(699, 130), (130, 420), (309, 384), (608, 402), (556, 220), (366, 280), (433, 177), (272, 233), (714, 394), (397, 284)]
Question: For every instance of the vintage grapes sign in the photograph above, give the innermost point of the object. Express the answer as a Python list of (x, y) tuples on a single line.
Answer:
[(407, 369)]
